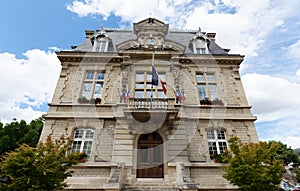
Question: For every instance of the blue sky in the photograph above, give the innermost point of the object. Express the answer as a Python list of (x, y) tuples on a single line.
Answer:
[(266, 32)]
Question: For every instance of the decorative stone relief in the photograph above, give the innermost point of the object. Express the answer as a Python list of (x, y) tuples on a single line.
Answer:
[(105, 144)]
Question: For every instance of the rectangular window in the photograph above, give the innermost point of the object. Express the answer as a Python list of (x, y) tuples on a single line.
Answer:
[(207, 86), (144, 88), (101, 45), (200, 50), (200, 77), (213, 91), (202, 91), (93, 84), (83, 141), (217, 143)]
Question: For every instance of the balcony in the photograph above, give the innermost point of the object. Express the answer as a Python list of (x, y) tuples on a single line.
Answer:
[(151, 103), (144, 109)]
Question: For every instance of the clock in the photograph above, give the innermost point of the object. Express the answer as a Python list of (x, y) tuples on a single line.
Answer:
[(151, 41)]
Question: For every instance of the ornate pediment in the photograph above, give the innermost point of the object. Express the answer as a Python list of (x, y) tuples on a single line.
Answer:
[(165, 45), (151, 36)]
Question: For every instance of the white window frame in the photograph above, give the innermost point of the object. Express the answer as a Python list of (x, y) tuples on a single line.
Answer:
[(100, 44), (92, 78), (83, 141), (219, 139), (143, 85), (207, 82), (200, 46)]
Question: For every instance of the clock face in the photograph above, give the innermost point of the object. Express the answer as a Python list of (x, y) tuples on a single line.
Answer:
[(151, 41)]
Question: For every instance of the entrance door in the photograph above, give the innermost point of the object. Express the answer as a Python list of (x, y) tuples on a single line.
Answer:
[(150, 156)]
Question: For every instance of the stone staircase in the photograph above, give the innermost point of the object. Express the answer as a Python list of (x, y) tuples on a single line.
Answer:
[(159, 186)]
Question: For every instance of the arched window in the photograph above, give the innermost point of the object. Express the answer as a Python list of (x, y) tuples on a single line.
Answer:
[(217, 143), (83, 141)]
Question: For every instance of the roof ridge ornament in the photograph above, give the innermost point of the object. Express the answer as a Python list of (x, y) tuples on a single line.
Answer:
[(200, 34)]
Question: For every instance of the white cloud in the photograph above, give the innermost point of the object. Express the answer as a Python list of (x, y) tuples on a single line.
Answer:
[(276, 103), (294, 50), (128, 10), (272, 98), (241, 25), (298, 73), (30, 81)]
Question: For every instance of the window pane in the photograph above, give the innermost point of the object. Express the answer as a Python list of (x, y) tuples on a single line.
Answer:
[(139, 77), (87, 147), (149, 77), (139, 85), (89, 134), (144, 137), (200, 77), (202, 92), (139, 94), (221, 134), (212, 146), (148, 93), (222, 147), (78, 133), (200, 50), (98, 90), (143, 154), (210, 77), (213, 91), (161, 94), (162, 77), (210, 134), (87, 88), (100, 76), (157, 155), (76, 146), (89, 76), (102, 45)]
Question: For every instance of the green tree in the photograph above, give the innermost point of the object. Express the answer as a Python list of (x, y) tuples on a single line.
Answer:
[(253, 167), (286, 154), (13, 134), (297, 172), (43, 168)]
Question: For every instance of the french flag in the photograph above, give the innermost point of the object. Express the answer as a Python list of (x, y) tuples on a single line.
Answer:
[(154, 81)]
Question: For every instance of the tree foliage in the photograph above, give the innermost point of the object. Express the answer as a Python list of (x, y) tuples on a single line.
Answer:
[(14, 134), (253, 166), (286, 154), (43, 168)]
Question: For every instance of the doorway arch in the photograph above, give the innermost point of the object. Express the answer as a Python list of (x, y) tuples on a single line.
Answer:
[(150, 156)]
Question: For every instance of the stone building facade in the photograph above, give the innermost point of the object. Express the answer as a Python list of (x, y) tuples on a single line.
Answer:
[(151, 107)]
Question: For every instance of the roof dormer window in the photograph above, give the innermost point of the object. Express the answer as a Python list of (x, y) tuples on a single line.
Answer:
[(200, 46), (100, 45), (100, 41), (200, 42)]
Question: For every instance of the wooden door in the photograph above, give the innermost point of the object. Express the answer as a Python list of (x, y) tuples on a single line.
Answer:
[(150, 156)]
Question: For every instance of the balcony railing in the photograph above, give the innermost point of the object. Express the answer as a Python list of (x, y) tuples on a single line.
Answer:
[(151, 103)]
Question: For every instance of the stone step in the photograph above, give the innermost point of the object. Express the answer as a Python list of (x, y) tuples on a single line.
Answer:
[(151, 186), (157, 188)]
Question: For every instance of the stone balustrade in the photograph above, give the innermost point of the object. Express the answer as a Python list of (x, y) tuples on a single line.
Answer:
[(151, 103)]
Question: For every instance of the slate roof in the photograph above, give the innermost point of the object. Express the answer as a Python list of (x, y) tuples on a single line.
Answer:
[(120, 36)]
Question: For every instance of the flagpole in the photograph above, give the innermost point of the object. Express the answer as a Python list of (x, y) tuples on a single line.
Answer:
[(151, 82)]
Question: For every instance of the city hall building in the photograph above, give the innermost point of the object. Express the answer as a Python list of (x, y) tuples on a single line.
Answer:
[(151, 107)]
